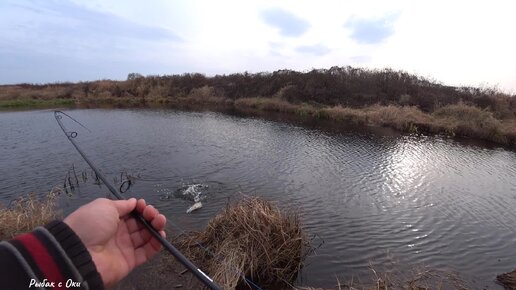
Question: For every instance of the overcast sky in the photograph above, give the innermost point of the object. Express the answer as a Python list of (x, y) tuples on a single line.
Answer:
[(469, 43)]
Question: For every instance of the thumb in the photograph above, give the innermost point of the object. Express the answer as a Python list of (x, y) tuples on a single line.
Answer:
[(124, 207)]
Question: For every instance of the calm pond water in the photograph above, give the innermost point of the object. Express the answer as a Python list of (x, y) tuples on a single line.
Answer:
[(374, 200)]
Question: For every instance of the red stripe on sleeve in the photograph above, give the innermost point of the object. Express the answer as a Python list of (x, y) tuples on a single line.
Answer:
[(44, 261)]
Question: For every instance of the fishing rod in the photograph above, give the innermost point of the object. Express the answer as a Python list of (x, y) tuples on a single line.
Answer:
[(205, 279)]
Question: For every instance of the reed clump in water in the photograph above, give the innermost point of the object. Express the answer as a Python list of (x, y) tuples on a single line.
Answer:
[(26, 213), (251, 238)]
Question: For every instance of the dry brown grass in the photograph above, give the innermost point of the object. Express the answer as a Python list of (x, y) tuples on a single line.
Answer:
[(267, 104), (455, 120), (345, 114), (27, 212), (406, 118), (251, 238), (470, 121)]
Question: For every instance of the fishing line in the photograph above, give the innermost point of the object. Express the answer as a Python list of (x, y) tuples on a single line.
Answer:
[(205, 279)]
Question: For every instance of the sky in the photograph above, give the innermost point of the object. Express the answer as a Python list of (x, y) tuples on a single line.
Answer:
[(459, 43)]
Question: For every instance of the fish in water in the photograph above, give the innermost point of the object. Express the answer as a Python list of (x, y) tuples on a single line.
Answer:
[(195, 206)]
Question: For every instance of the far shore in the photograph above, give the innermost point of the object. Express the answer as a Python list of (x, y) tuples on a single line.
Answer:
[(383, 98)]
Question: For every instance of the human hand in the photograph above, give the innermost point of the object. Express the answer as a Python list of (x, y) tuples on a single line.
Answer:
[(117, 242)]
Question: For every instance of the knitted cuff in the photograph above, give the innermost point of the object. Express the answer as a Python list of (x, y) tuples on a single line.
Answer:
[(77, 252)]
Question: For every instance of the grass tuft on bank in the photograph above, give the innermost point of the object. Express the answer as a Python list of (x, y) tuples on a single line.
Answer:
[(26, 213), (251, 238), (464, 120)]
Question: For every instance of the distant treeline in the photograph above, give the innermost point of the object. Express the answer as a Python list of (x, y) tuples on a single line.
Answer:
[(344, 86)]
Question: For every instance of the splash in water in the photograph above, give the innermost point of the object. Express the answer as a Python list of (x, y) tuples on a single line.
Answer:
[(191, 192)]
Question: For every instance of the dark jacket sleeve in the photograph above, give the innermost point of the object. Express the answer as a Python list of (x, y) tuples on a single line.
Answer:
[(50, 257)]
